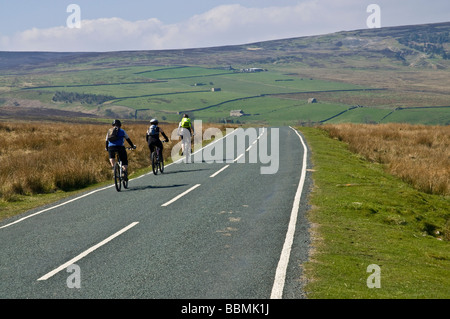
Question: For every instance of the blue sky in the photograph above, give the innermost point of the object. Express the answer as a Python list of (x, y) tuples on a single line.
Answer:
[(31, 25)]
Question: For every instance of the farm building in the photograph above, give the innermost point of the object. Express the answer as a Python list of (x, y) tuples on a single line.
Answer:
[(237, 113), (252, 70), (312, 100), (216, 89)]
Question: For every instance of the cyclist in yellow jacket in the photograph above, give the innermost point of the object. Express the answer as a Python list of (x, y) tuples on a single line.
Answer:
[(186, 130)]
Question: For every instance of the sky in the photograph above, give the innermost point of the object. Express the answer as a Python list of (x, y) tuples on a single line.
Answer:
[(117, 25)]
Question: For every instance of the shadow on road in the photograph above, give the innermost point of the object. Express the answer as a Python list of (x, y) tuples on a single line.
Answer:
[(139, 188), (185, 171)]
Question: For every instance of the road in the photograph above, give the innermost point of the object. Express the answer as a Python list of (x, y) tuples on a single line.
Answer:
[(200, 230)]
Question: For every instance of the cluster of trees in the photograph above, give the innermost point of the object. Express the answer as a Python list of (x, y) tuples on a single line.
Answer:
[(430, 43), (83, 98)]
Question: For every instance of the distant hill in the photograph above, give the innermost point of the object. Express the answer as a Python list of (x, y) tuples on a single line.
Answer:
[(410, 65), (404, 43)]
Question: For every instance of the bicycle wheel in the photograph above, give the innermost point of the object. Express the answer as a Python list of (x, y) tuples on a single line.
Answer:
[(154, 163), (125, 180), (117, 181), (161, 163)]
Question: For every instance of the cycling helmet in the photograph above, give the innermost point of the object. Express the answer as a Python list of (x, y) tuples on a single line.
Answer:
[(154, 121), (116, 123)]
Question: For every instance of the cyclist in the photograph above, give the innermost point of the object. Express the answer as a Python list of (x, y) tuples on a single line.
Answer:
[(115, 143), (185, 131), (152, 136)]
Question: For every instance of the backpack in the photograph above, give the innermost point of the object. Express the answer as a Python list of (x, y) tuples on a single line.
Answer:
[(153, 130), (113, 134), (186, 122)]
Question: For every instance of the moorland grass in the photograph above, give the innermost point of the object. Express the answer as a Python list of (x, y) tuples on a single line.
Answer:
[(418, 154)]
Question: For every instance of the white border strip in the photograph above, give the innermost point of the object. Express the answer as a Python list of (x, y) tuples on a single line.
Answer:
[(181, 195), (56, 206), (280, 275), (86, 252)]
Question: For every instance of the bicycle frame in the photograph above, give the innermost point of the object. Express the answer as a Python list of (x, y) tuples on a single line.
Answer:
[(119, 173), (157, 160)]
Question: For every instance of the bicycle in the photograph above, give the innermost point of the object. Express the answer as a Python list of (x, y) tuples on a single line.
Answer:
[(157, 160), (120, 176)]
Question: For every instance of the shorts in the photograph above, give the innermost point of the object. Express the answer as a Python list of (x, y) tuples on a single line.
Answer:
[(112, 150), (152, 142)]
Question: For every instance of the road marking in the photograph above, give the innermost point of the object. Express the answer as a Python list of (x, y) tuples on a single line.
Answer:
[(56, 206), (220, 170), (237, 158), (280, 274), (86, 252), (181, 195)]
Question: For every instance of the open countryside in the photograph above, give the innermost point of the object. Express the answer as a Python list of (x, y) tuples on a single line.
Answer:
[(365, 76), (372, 105)]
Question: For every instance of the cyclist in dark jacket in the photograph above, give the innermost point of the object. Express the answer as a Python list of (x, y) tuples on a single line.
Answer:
[(116, 144), (152, 136)]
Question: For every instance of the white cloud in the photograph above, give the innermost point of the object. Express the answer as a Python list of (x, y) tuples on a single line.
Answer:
[(223, 25)]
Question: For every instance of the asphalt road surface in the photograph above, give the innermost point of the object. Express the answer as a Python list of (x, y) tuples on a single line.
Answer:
[(225, 226)]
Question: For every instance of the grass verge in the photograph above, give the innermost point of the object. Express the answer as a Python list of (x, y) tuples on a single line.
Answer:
[(361, 216)]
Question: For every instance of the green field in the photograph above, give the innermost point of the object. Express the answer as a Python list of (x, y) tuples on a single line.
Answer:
[(268, 97)]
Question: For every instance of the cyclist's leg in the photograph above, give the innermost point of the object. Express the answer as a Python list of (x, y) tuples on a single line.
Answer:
[(182, 145), (123, 157), (151, 147), (112, 156), (187, 144), (159, 144)]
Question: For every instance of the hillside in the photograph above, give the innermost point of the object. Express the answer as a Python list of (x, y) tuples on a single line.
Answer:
[(395, 74)]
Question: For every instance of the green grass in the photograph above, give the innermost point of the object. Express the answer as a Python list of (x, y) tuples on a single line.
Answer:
[(362, 115), (363, 216), (186, 82), (182, 72), (268, 108), (431, 116)]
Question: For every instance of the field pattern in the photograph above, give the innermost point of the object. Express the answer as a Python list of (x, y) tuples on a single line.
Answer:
[(375, 76)]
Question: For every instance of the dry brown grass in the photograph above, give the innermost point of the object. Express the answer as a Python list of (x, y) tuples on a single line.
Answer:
[(39, 158), (418, 154)]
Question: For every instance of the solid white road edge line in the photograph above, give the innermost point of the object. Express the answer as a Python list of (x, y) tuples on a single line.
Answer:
[(181, 195), (280, 274), (86, 252), (56, 206)]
